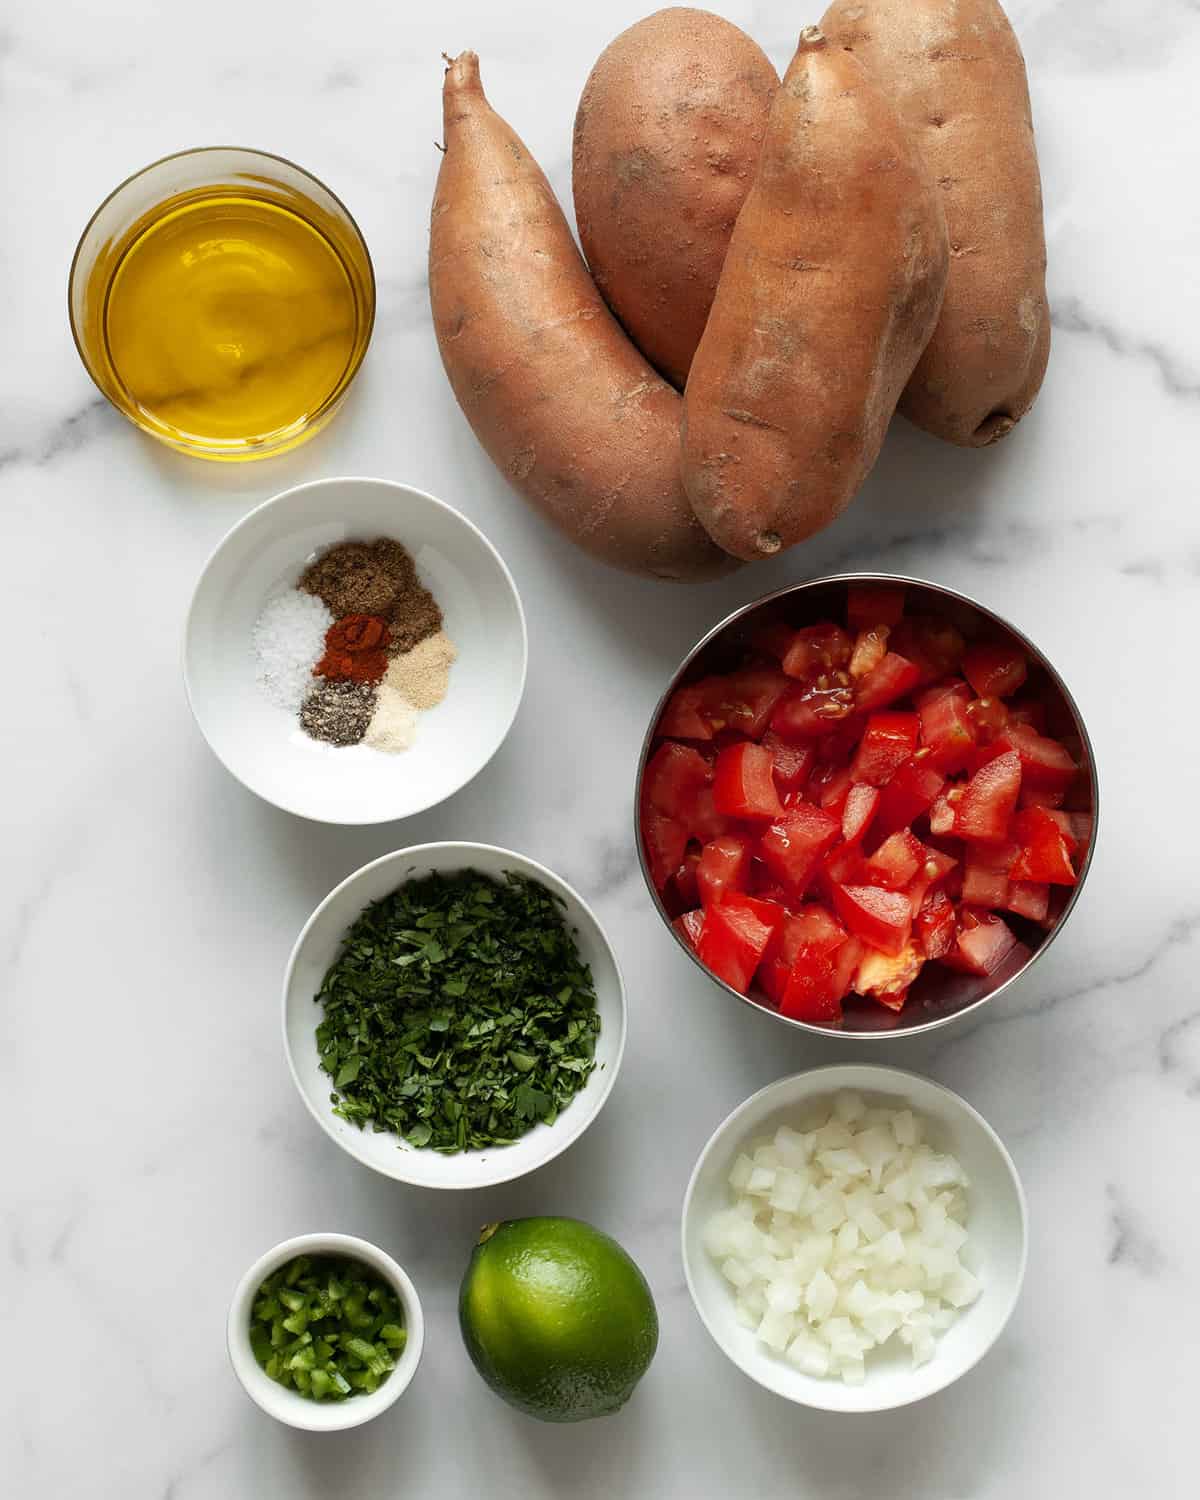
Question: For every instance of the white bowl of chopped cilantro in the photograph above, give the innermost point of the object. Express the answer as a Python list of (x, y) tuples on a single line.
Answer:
[(249, 692), (453, 1015), (325, 1332)]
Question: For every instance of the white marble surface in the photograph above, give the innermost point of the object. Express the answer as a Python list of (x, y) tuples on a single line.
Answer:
[(154, 1143)]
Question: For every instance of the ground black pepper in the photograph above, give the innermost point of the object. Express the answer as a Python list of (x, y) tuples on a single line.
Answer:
[(338, 712)]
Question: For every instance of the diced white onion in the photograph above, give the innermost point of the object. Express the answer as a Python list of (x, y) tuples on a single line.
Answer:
[(843, 1236)]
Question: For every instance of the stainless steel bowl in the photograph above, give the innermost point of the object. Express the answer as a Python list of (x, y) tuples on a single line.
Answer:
[(939, 994)]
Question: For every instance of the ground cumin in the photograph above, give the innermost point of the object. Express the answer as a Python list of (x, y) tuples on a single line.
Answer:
[(375, 578), (350, 579)]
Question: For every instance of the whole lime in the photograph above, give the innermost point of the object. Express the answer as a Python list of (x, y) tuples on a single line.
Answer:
[(556, 1318)]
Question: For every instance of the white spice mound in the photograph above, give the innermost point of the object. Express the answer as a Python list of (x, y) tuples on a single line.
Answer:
[(289, 636), (422, 675), (394, 722)]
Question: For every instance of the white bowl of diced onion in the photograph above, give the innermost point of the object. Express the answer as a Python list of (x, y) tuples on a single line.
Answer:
[(854, 1238)]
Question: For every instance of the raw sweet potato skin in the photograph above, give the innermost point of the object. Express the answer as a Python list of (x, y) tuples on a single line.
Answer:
[(667, 137), (562, 402), (956, 74), (831, 287)]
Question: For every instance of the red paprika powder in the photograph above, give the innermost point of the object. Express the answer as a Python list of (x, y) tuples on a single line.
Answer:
[(355, 650)]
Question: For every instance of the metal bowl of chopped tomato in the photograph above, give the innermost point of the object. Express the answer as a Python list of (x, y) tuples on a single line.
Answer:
[(865, 804)]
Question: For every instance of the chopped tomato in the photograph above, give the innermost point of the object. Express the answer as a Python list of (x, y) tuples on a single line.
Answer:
[(889, 740), (858, 798), (792, 762), (1056, 905), (811, 985), (764, 885), (952, 685), (706, 822), (947, 730), (938, 863), (1077, 825), (837, 748), (744, 783), (893, 678), (995, 671), (941, 813), (1029, 898), (843, 865), (735, 936), (881, 918), (858, 810), (870, 647), (869, 604), (664, 840), (792, 847), (815, 927), (1030, 712), (937, 867), (809, 712), (896, 861), (674, 776), (845, 964), (744, 700), (809, 994), (909, 793), (688, 927), (684, 718), (809, 927), (937, 925), (886, 977), (934, 646), (1046, 850), (989, 799), (817, 651), (686, 891), (985, 874), (988, 718), (724, 866), (1046, 765), (834, 789), (1031, 797), (984, 941)]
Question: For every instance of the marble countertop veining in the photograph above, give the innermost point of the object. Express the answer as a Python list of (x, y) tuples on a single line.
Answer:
[(155, 1144)]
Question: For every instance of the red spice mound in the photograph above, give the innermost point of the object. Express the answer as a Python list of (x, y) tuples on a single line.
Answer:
[(355, 650)]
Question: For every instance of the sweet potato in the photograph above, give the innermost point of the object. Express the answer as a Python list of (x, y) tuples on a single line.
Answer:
[(667, 137), (563, 403), (955, 72), (831, 288)]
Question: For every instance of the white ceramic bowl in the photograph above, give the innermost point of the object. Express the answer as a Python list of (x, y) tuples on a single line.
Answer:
[(318, 946), (995, 1251), (288, 1405), (262, 744)]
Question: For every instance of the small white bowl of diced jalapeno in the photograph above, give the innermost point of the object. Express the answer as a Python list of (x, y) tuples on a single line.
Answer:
[(325, 1332)]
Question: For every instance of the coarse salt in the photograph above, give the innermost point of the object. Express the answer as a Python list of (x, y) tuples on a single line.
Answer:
[(288, 638)]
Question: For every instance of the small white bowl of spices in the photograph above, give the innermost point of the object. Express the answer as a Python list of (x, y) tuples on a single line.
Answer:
[(355, 651)]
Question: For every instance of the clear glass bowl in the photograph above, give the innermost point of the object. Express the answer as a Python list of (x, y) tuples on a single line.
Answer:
[(170, 186)]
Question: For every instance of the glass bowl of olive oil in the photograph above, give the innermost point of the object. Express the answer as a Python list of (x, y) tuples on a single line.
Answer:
[(223, 300)]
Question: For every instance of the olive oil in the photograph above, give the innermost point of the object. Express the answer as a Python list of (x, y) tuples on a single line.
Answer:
[(229, 321)]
